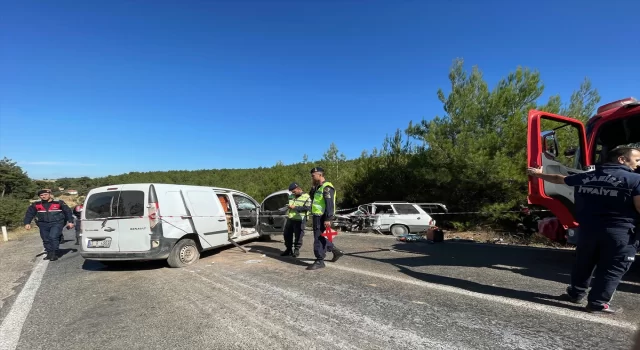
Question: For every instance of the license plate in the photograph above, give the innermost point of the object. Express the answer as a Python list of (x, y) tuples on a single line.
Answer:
[(100, 243)]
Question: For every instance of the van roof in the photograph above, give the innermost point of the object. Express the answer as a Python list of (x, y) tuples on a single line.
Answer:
[(222, 189)]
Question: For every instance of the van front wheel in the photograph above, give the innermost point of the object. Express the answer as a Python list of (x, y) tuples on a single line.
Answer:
[(184, 253)]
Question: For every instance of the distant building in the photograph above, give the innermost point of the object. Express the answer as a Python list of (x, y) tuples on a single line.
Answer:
[(60, 189), (72, 192)]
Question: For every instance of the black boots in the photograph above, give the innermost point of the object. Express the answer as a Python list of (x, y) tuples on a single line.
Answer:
[(287, 252), (51, 256), (318, 264), (337, 254), (295, 253)]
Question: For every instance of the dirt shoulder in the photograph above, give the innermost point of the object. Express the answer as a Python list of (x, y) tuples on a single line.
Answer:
[(17, 259), (535, 240)]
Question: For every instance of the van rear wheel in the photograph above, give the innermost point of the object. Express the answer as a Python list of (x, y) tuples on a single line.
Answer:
[(184, 253)]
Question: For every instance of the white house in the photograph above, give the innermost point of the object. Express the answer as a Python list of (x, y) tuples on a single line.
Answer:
[(72, 192)]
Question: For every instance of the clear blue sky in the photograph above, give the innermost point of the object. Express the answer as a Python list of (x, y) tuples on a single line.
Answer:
[(164, 85)]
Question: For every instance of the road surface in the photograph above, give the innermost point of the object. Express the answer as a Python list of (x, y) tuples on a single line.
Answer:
[(383, 295)]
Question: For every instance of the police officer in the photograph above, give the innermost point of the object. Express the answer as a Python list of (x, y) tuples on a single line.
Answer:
[(299, 206), (51, 216), (77, 212), (607, 209), (323, 205)]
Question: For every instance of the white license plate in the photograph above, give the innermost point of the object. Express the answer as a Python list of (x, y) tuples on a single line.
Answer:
[(100, 243)]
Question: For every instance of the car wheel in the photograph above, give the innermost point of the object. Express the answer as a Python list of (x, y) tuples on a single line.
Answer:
[(399, 230), (184, 253)]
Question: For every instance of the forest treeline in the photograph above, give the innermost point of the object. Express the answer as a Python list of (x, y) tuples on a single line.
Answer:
[(472, 157)]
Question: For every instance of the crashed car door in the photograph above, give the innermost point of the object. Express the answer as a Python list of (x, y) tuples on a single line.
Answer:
[(273, 213)]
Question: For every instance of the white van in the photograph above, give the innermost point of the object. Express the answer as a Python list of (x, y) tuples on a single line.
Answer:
[(173, 222)]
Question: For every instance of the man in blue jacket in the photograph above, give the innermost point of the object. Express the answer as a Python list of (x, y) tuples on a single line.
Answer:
[(608, 211), (51, 216)]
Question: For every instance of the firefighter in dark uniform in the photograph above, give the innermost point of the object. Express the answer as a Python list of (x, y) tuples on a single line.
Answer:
[(299, 206), (77, 213), (51, 217), (607, 209), (323, 206)]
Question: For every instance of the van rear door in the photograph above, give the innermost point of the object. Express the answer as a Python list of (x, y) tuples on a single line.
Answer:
[(98, 233), (114, 220), (133, 224), (559, 145)]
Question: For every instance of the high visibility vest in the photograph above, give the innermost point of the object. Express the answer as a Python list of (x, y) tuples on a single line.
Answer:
[(319, 204), (298, 202)]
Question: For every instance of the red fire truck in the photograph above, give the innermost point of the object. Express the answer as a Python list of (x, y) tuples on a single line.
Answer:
[(616, 123)]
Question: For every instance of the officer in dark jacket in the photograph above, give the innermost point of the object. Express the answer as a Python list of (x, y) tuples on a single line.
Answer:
[(77, 213), (51, 216), (323, 207), (607, 209)]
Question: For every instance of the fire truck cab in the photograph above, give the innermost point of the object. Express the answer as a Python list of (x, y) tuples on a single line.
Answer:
[(563, 145)]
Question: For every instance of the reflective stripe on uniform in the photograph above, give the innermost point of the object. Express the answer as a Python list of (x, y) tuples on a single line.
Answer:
[(298, 202), (319, 204)]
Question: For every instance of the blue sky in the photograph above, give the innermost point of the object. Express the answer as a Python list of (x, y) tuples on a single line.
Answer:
[(106, 87)]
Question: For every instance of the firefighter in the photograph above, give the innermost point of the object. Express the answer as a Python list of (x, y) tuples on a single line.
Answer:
[(77, 212), (607, 209), (299, 206), (323, 205), (51, 217)]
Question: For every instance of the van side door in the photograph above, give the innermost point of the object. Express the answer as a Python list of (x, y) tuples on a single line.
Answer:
[(205, 212), (273, 213)]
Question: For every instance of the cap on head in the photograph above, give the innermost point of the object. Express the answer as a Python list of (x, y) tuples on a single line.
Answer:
[(44, 191), (317, 170), (293, 186)]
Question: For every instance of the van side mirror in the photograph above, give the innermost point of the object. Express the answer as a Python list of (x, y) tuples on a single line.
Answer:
[(550, 142)]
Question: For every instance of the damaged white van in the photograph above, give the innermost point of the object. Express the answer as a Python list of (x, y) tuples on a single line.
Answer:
[(172, 222)]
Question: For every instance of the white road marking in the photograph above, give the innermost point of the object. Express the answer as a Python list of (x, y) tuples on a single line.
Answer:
[(503, 300), (11, 327)]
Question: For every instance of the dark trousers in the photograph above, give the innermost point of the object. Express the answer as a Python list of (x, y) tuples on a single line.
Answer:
[(610, 252), (293, 229), (50, 234), (78, 224), (321, 244)]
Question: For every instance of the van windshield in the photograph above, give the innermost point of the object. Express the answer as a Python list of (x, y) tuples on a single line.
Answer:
[(109, 204)]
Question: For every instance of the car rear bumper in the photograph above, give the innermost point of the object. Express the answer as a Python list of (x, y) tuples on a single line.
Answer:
[(158, 253)]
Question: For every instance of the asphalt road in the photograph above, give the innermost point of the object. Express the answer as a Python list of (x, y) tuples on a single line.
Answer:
[(383, 295)]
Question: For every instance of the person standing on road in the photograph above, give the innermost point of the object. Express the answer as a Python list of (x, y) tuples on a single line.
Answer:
[(607, 209), (51, 216), (299, 206), (323, 206), (77, 212)]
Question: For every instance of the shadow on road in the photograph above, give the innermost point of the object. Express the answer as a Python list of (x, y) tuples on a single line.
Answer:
[(538, 263), (540, 298), (275, 254)]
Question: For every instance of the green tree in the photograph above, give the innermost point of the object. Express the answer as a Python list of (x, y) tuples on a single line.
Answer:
[(14, 181)]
